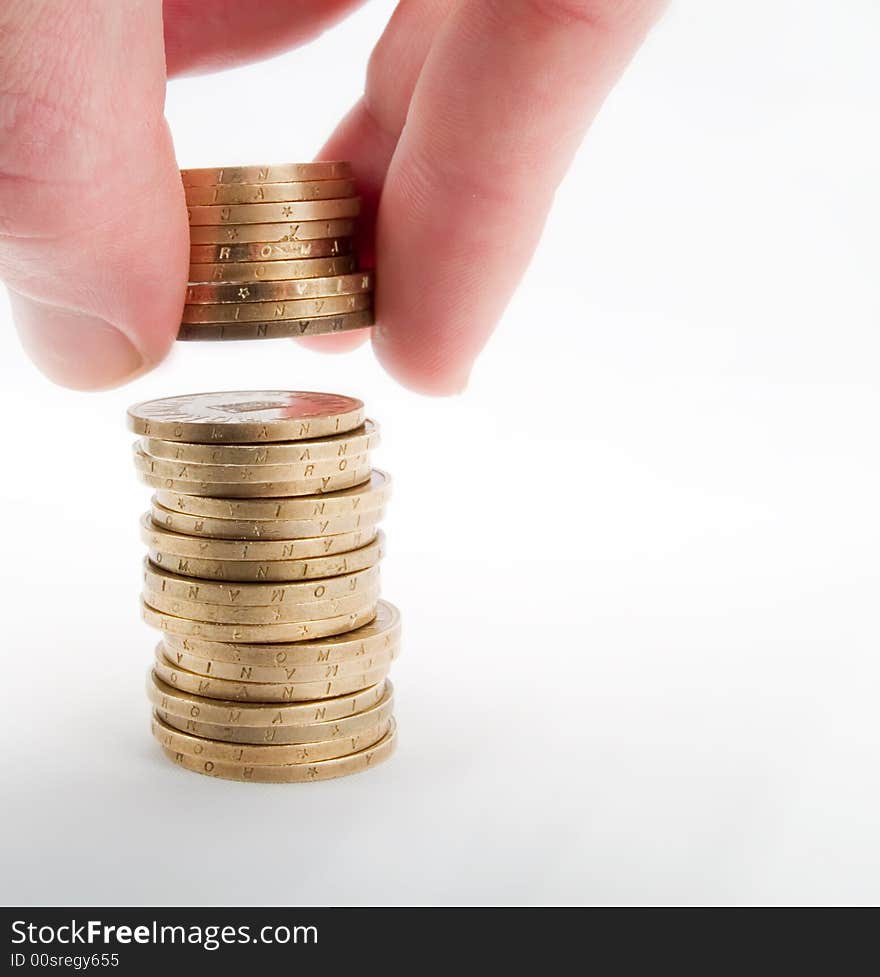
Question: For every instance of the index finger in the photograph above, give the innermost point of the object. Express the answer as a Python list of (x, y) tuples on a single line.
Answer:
[(501, 104)]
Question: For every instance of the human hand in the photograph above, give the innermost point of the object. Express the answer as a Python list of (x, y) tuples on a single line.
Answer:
[(471, 114)]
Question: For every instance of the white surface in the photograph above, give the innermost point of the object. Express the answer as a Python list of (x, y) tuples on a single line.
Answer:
[(637, 561)]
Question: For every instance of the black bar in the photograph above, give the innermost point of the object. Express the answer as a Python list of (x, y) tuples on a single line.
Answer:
[(413, 941)]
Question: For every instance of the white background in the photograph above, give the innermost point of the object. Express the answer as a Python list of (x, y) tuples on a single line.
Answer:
[(636, 561)]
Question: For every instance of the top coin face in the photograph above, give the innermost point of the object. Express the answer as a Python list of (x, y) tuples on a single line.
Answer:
[(246, 416), (280, 173)]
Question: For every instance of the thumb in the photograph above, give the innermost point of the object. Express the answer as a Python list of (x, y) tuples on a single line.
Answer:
[(93, 227)]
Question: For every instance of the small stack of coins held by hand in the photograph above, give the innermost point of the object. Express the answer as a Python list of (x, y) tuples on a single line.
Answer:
[(272, 253), (263, 575)]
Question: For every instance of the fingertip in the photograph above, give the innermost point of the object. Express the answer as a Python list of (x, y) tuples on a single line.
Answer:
[(73, 349), (434, 379), (341, 342)]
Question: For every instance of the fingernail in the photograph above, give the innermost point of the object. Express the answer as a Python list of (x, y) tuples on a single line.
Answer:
[(75, 350)]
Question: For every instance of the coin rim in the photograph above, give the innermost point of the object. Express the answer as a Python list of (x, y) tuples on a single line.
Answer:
[(245, 592), (294, 285), (344, 643), (205, 172), (345, 186), (267, 693), (211, 215), (385, 704), (232, 332), (262, 714), (157, 723), (295, 502), (271, 633), (332, 768)]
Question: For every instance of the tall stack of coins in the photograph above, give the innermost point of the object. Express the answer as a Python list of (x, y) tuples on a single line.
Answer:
[(262, 573), (271, 253)]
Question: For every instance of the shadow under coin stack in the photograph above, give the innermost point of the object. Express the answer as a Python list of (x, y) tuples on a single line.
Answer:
[(272, 253), (263, 576)]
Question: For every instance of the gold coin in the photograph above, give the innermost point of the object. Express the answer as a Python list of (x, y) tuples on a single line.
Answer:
[(201, 254), (363, 546), (280, 291), (294, 772), (279, 173), (380, 637), (273, 529), (269, 311), (304, 210), (371, 495), (272, 617), (284, 571), (246, 416), (258, 595), (260, 490), (215, 688), (281, 753), (277, 329), (249, 273), (293, 471), (251, 714), (275, 620), (279, 233), (341, 730), (280, 675), (260, 550), (294, 631), (256, 193), (357, 442), (319, 732)]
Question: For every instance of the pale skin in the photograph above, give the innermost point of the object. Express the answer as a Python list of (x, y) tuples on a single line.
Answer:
[(471, 113)]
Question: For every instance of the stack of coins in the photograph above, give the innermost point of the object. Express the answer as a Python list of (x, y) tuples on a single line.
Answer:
[(271, 253), (262, 573)]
